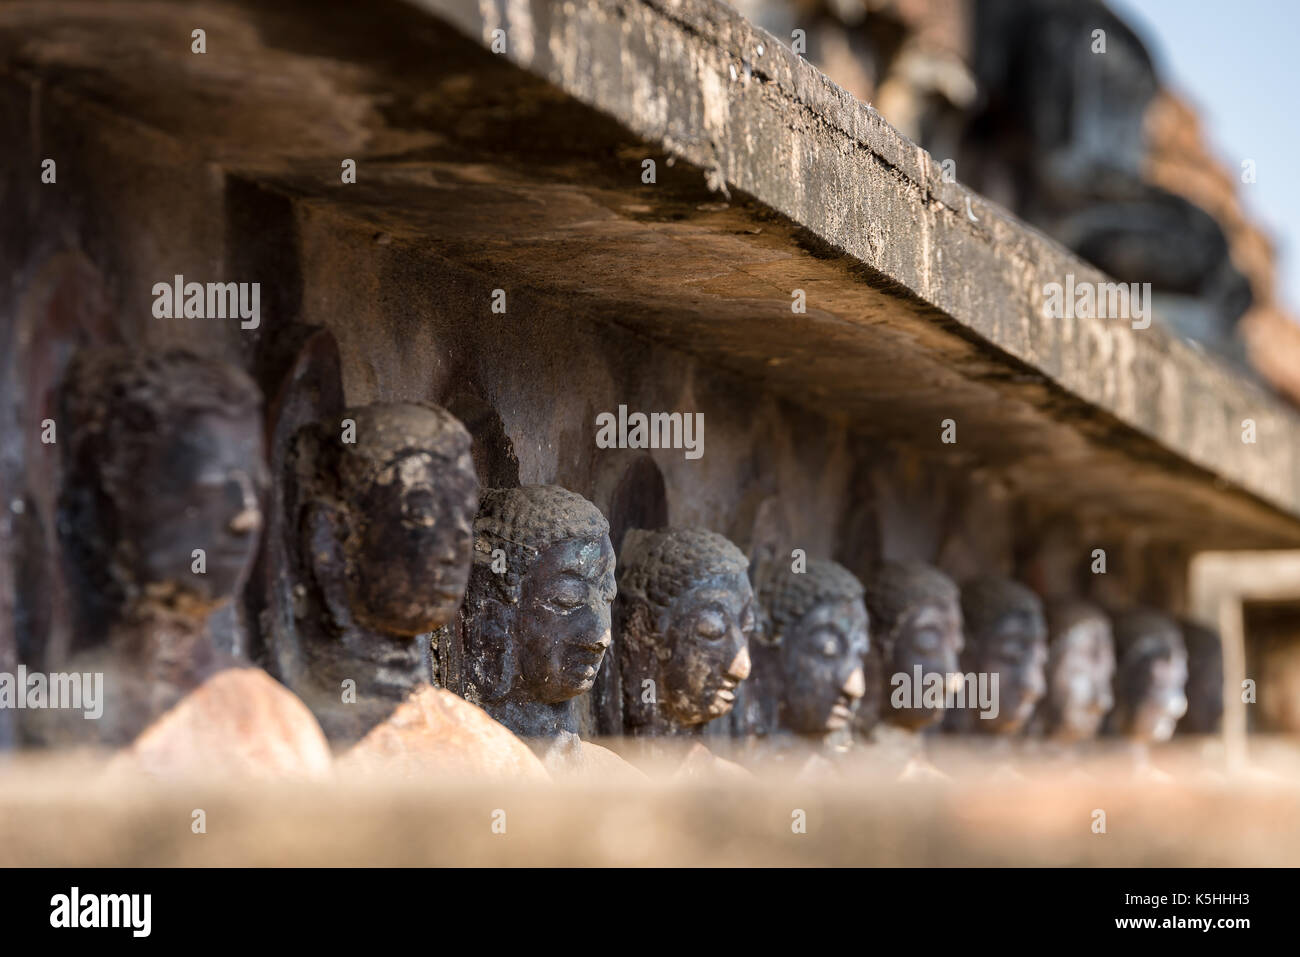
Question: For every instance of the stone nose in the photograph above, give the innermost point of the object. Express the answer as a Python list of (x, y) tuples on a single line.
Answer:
[(453, 546), (1035, 681), (602, 643), (249, 517), (856, 685), (1179, 705), (953, 681), (740, 665)]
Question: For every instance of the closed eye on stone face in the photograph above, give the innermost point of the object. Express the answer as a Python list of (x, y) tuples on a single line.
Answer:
[(1012, 650), (568, 594), (212, 482), (926, 640), (710, 625)]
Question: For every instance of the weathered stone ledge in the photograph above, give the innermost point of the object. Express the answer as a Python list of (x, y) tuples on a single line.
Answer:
[(523, 171), (694, 78)]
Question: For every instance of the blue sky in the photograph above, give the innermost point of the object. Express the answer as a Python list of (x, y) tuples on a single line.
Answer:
[(1238, 63)]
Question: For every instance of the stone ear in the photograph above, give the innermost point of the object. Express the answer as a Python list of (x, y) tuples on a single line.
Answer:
[(491, 660)]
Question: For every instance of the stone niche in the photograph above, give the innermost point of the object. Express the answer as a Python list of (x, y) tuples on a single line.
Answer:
[(384, 269), (774, 477), (529, 385)]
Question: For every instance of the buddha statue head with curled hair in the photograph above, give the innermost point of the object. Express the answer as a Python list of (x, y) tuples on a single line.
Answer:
[(685, 616), (916, 622), (403, 493), (1151, 677), (163, 466), (1006, 636), (1080, 671), (159, 516), (537, 614), (819, 631)]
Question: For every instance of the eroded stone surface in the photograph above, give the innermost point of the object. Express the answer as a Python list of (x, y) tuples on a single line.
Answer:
[(685, 613), (813, 653), (380, 544), (536, 617), (159, 517)]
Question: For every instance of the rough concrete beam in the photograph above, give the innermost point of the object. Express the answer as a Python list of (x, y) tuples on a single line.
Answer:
[(697, 79), (525, 172)]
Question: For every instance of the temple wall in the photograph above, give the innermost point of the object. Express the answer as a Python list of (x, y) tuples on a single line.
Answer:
[(134, 207)]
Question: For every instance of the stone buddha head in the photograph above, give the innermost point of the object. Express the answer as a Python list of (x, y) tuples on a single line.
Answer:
[(380, 503), (1204, 680), (1006, 635), (1151, 677), (404, 494), (916, 621), (819, 626), (685, 617), (163, 477), (537, 612), (1080, 670)]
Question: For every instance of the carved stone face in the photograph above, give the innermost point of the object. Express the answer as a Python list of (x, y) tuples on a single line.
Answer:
[(410, 558), (706, 642), (1153, 691), (1164, 703), (562, 621), (1081, 666), (822, 658), (1015, 649), (930, 636), (686, 614), (198, 489), (158, 511), (1152, 676), (536, 621), (1006, 636)]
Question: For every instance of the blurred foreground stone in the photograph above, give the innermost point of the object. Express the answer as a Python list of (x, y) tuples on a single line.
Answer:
[(240, 723), (55, 813), (437, 734)]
